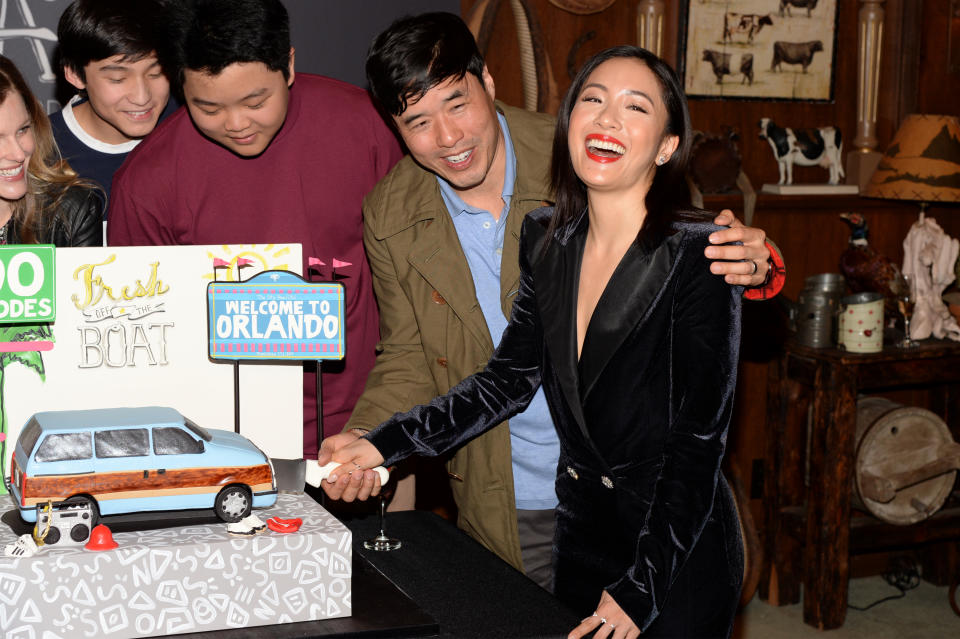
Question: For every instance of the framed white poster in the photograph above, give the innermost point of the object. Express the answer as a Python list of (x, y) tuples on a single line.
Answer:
[(767, 49)]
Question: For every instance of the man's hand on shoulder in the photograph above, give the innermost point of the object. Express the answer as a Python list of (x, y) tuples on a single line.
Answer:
[(743, 264)]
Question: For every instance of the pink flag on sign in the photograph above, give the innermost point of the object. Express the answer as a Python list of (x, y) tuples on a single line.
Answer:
[(338, 264), (218, 263), (242, 261), (315, 261)]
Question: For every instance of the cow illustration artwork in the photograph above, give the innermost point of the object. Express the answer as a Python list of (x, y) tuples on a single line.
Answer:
[(794, 53), (785, 5), (807, 147), (743, 23), (721, 64)]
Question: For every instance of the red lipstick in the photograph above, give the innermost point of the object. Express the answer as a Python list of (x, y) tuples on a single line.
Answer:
[(609, 155)]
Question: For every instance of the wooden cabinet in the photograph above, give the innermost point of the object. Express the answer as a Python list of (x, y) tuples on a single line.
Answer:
[(809, 465)]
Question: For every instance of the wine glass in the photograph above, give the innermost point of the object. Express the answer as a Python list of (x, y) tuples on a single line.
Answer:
[(906, 300), (381, 542)]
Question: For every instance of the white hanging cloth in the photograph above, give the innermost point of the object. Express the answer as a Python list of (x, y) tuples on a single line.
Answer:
[(929, 256)]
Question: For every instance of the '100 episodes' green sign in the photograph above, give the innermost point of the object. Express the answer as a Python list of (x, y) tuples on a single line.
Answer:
[(27, 284)]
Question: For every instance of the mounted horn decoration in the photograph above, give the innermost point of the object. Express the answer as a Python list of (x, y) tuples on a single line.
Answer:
[(539, 87), (582, 7)]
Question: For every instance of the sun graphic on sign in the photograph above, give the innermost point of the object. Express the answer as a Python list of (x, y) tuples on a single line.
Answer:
[(264, 257)]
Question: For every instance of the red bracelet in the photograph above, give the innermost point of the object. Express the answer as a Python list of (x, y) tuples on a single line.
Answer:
[(776, 276)]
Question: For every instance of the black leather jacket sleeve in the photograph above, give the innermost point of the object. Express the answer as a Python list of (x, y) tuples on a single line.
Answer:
[(76, 220)]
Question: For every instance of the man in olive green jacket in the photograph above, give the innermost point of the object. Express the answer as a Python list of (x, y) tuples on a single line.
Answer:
[(432, 329)]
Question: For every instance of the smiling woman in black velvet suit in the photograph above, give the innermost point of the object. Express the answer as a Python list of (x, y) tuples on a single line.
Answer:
[(636, 346)]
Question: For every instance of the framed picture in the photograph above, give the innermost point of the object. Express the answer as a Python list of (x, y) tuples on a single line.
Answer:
[(762, 49)]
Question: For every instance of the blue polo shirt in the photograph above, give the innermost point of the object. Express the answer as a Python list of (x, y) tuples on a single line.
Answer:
[(534, 446)]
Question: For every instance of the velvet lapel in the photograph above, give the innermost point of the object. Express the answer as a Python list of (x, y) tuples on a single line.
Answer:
[(555, 281), (633, 290), (438, 257)]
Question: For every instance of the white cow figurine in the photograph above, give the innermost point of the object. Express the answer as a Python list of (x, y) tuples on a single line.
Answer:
[(806, 147)]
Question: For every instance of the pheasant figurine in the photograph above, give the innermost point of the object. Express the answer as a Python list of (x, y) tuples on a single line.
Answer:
[(867, 270)]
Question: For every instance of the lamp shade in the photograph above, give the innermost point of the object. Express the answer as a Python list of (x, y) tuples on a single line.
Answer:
[(922, 163)]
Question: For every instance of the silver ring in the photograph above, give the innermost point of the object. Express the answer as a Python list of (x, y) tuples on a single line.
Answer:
[(613, 626), (603, 620), (756, 267)]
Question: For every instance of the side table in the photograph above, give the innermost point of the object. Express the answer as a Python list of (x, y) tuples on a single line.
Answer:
[(809, 465)]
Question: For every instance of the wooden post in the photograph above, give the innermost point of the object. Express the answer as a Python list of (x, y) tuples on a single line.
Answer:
[(826, 553), (863, 160), (650, 26), (788, 404)]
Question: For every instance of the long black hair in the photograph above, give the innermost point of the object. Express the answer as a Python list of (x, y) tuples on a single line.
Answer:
[(668, 193)]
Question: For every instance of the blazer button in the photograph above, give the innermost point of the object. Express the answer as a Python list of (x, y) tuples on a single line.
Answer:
[(437, 298), (606, 481), (442, 361), (572, 472)]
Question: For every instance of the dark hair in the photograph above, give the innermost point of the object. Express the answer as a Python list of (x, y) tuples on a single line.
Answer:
[(218, 33), (92, 30), (415, 54), (48, 176), (668, 193)]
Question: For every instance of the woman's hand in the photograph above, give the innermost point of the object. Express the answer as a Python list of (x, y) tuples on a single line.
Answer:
[(353, 480), (746, 265), (610, 621)]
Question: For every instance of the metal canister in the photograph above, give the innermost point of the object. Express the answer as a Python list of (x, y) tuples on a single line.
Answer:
[(817, 307)]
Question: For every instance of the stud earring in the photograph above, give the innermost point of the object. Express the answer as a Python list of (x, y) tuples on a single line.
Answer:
[(661, 160)]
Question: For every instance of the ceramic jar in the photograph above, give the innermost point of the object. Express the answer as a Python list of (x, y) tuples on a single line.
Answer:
[(861, 323)]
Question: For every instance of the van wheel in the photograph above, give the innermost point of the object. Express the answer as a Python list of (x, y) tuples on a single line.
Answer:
[(94, 509), (233, 504)]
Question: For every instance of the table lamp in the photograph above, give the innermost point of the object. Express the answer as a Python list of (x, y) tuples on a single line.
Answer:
[(922, 162)]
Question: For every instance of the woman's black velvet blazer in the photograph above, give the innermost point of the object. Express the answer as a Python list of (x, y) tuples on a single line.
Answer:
[(642, 419)]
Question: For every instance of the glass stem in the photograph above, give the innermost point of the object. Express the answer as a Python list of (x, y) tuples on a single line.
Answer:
[(383, 515)]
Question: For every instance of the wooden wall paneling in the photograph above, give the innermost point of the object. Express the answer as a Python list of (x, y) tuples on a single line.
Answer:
[(939, 88), (899, 67)]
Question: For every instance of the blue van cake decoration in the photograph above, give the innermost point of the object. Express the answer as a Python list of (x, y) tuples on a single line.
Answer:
[(126, 460)]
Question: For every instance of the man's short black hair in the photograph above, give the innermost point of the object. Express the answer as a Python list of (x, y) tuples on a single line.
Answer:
[(91, 30), (415, 54), (218, 33)]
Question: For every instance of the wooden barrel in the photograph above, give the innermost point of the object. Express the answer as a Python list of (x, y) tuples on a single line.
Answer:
[(906, 461)]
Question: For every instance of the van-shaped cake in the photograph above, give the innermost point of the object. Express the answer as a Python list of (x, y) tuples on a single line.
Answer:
[(126, 460)]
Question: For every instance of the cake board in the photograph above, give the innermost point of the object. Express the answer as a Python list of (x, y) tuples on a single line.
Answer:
[(186, 578)]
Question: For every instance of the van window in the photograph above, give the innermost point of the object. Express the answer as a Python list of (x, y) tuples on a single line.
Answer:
[(198, 430), (29, 436), (174, 441), (65, 447), (125, 442)]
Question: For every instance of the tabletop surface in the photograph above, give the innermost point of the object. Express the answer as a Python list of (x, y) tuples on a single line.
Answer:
[(440, 583)]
